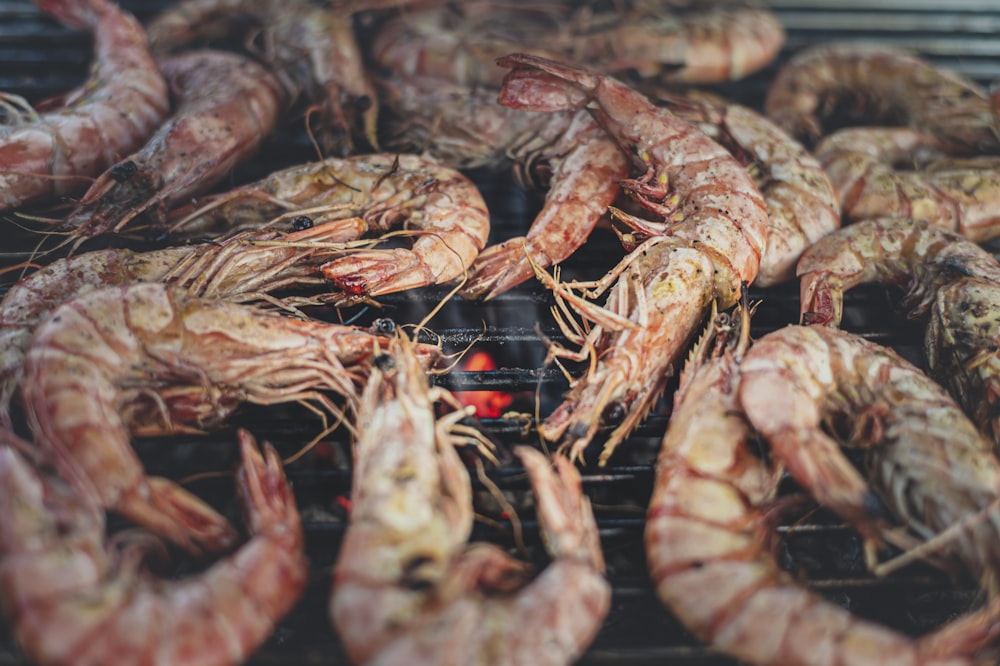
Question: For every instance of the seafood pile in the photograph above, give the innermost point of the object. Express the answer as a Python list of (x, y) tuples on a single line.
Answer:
[(256, 251)]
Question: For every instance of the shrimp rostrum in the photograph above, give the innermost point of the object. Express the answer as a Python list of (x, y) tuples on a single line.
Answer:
[(71, 596), (143, 358), (408, 589), (708, 244), (708, 535), (951, 283), (808, 390)]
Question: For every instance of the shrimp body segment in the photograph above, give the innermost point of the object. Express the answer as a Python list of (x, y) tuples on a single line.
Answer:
[(408, 589), (949, 282), (707, 536), (72, 598), (56, 151), (709, 244), (145, 358), (924, 458), (228, 105), (896, 87)]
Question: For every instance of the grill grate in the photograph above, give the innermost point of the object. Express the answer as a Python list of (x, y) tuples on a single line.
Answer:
[(39, 59)]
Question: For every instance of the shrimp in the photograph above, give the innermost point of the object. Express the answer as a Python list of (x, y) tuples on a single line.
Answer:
[(925, 459), (373, 193), (707, 534), (892, 86), (950, 282), (155, 359), (408, 589), (801, 201), (57, 149), (313, 49), (228, 105), (466, 128), (960, 195), (71, 597), (243, 267), (709, 244)]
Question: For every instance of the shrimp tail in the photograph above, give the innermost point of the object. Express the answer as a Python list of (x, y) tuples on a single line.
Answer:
[(270, 502)]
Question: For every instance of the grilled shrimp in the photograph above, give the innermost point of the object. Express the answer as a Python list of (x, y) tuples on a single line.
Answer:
[(707, 535), (950, 282), (801, 201), (923, 456), (71, 597), (243, 267), (465, 128), (312, 48), (57, 150), (371, 194), (892, 86), (145, 357), (408, 589), (709, 244), (960, 195), (228, 105)]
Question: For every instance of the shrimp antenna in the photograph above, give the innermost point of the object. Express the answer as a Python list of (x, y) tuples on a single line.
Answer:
[(497, 494)]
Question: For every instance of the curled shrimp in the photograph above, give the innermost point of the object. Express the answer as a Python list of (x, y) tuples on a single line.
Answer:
[(228, 105), (313, 49), (708, 245), (71, 139), (243, 267), (892, 87), (408, 589), (801, 201), (707, 535), (71, 597), (951, 283), (960, 195), (371, 194), (149, 359), (806, 388)]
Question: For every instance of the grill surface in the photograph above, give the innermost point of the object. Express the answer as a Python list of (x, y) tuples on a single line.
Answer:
[(38, 58)]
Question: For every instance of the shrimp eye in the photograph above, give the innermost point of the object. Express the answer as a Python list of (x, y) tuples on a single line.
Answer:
[(384, 326), (613, 413), (384, 362), (363, 102), (123, 171), (302, 222)]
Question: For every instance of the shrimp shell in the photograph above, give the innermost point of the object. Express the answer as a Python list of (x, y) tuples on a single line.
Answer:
[(147, 355), (894, 85), (77, 136), (70, 598), (707, 537), (228, 106)]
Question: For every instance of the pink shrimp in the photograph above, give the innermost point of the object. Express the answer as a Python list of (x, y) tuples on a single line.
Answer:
[(148, 358), (958, 195), (408, 589), (73, 138), (228, 105), (71, 597), (709, 244)]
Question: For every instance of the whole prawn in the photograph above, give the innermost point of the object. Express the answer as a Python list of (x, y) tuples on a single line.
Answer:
[(58, 149), (149, 359), (465, 128), (708, 245), (242, 267), (312, 48), (892, 86), (71, 597), (228, 106), (947, 281), (801, 201), (408, 589), (707, 538), (960, 195), (808, 389)]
